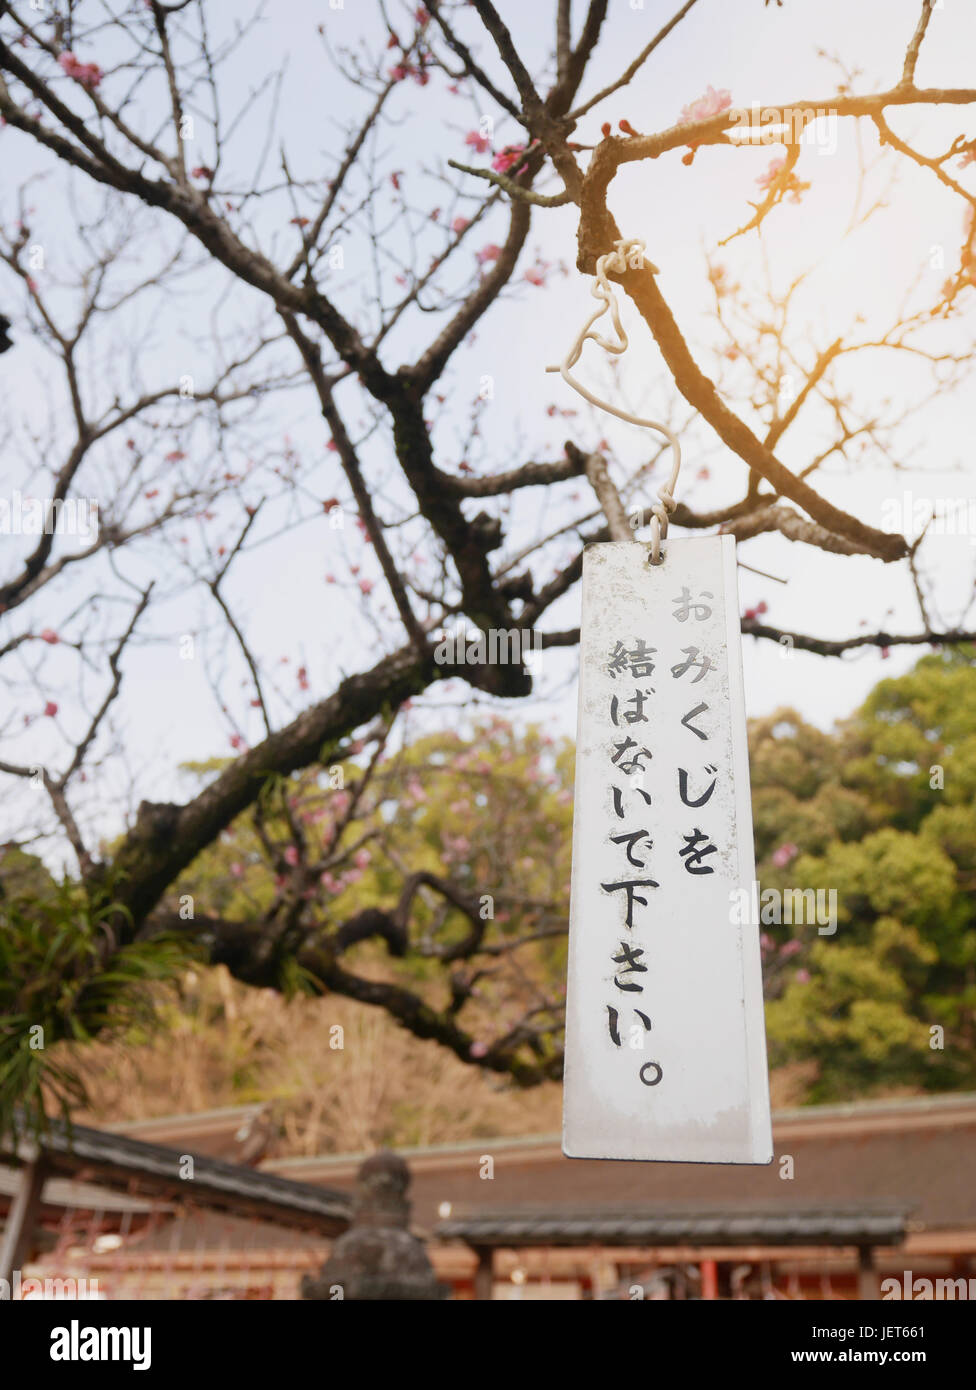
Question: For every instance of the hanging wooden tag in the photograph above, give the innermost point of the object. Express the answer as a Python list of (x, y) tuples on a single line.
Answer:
[(665, 1037)]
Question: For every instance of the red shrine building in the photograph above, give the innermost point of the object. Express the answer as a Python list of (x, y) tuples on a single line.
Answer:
[(868, 1200)]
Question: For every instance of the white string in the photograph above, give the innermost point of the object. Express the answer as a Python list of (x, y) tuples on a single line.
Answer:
[(602, 289)]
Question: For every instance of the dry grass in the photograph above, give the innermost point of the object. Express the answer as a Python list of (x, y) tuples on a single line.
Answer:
[(226, 1044)]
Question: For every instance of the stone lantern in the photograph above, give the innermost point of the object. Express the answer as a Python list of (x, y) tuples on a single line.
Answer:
[(377, 1258)]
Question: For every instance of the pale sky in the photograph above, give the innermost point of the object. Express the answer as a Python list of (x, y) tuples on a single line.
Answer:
[(168, 712)]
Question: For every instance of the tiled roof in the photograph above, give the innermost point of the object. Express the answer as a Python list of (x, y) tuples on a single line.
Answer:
[(217, 1133), (116, 1161), (784, 1224), (919, 1153)]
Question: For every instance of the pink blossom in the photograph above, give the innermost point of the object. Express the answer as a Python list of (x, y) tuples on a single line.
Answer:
[(302, 678), (50, 709), (507, 157), (536, 275), (50, 637), (291, 855), (236, 741), (459, 224), (361, 859), (476, 141), (237, 869), (783, 855), (478, 1049), (713, 103), (803, 977), (790, 948), (775, 168), (366, 586), (491, 252), (327, 881), (88, 74), (417, 71)]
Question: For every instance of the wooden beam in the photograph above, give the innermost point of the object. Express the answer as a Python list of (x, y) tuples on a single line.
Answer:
[(18, 1233), (867, 1277), (484, 1275)]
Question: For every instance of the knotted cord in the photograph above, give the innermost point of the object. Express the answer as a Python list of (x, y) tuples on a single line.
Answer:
[(602, 289)]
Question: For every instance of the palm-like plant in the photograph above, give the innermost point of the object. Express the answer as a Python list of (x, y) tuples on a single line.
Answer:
[(64, 978)]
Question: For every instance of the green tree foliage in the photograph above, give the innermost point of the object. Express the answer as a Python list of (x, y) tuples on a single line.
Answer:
[(489, 807), (486, 814), (879, 812), (882, 813)]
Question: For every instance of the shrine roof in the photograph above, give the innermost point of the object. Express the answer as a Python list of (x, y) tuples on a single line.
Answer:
[(121, 1163), (785, 1223)]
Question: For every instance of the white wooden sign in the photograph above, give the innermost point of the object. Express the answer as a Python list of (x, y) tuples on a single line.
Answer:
[(665, 1039)]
